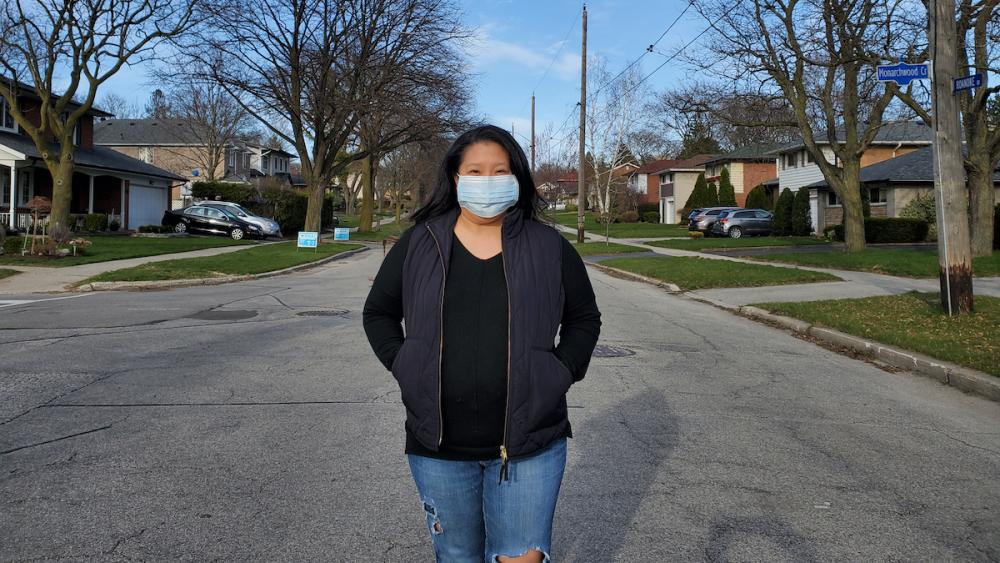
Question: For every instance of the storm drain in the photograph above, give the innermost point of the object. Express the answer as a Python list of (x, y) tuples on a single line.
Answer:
[(605, 351), (223, 315), (324, 313)]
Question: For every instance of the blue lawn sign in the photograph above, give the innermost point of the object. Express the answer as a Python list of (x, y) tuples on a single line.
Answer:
[(903, 73), (308, 239), (194, 172), (967, 82), (341, 233)]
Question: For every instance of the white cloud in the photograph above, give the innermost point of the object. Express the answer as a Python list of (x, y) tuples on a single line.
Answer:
[(486, 51)]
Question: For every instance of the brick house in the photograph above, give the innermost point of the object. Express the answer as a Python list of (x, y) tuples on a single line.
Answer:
[(128, 190), (796, 167), (177, 146), (892, 184), (676, 182), (646, 180), (748, 167)]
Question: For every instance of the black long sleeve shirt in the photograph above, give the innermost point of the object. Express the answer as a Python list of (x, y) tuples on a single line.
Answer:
[(474, 361)]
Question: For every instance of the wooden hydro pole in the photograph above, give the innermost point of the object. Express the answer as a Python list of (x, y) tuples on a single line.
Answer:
[(581, 195), (954, 250)]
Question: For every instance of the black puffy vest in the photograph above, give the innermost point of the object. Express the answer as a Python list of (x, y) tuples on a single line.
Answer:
[(537, 381)]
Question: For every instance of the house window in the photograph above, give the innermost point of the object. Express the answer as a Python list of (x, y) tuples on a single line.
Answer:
[(265, 162), (246, 160), (809, 158), (832, 200), (232, 159), (146, 154), (876, 195), (7, 120)]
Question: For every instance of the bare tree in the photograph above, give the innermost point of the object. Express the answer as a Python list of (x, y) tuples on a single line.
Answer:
[(820, 56), (119, 107), (210, 118), (309, 71), (611, 115), (411, 169), (86, 43), (978, 29), (734, 118), (158, 106)]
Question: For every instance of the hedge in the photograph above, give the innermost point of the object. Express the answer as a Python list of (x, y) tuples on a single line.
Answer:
[(889, 230), (651, 217), (757, 199), (782, 221), (288, 208), (644, 208), (801, 214), (996, 227), (95, 222), (243, 194)]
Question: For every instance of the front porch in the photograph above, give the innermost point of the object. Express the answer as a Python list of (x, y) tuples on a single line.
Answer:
[(93, 191)]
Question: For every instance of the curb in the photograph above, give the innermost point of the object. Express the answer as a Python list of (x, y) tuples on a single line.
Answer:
[(959, 377), (672, 288), (165, 284)]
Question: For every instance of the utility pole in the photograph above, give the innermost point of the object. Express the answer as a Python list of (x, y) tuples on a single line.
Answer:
[(581, 194), (532, 132), (954, 249)]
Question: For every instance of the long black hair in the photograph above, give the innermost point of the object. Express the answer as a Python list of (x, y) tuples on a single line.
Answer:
[(443, 196)]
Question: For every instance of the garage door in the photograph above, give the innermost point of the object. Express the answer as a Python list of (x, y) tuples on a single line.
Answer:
[(146, 206)]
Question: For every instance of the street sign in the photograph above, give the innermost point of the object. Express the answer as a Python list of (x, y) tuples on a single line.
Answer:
[(342, 233), (308, 239), (967, 82), (903, 73)]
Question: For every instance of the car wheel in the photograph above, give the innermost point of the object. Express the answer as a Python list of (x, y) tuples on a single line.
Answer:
[(236, 234), (180, 228), (735, 232)]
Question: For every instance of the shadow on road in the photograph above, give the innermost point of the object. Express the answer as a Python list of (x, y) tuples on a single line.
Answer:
[(619, 453)]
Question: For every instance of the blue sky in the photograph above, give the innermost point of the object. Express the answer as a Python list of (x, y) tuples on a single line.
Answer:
[(517, 41)]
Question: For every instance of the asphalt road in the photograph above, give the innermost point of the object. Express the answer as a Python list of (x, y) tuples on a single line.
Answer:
[(251, 422)]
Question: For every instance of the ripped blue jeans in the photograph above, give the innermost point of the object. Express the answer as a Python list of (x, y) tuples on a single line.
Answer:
[(472, 518)]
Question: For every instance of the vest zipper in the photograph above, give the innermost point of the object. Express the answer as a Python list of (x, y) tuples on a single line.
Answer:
[(506, 411), (444, 277)]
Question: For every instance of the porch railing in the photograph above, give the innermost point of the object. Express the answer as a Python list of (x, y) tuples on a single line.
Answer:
[(22, 220)]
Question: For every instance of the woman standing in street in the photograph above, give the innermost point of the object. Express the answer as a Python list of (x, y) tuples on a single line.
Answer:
[(483, 286)]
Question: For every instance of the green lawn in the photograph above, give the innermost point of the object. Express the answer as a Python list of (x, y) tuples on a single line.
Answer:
[(702, 273), (6, 273), (600, 248), (913, 321), (383, 232), (893, 261), (734, 243), (250, 261), (117, 247), (621, 230)]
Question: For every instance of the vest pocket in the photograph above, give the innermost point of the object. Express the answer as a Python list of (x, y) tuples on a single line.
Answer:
[(407, 367), (550, 379)]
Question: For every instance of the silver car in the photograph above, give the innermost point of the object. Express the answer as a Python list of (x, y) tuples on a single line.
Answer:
[(703, 219), (736, 223), (268, 227)]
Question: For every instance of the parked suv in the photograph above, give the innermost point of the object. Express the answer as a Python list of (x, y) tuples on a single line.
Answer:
[(703, 219), (738, 222)]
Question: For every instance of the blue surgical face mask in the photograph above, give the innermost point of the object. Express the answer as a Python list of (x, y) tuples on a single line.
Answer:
[(487, 196)]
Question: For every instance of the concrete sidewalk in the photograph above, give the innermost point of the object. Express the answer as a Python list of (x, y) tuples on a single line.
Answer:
[(39, 279), (855, 284)]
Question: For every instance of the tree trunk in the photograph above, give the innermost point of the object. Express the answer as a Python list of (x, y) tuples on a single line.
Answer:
[(982, 199), (314, 210), (367, 195), (62, 189), (854, 214)]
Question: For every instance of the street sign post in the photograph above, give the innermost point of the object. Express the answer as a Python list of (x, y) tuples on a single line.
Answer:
[(967, 82), (903, 73), (341, 233), (308, 239)]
